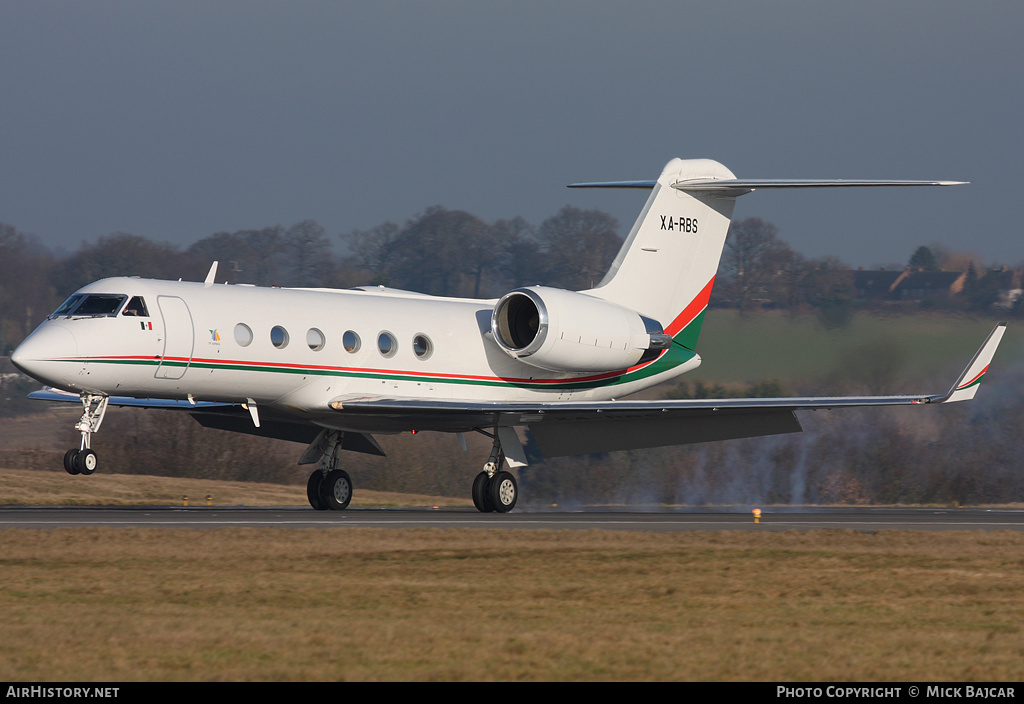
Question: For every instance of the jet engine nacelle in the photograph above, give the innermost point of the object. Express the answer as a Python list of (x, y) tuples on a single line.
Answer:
[(565, 331)]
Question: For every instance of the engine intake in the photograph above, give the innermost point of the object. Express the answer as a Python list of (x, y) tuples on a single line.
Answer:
[(565, 331)]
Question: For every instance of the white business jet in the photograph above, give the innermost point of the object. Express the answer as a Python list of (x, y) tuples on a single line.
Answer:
[(332, 368)]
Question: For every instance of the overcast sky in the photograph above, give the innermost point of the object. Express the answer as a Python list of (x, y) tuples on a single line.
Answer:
[(175, 120)]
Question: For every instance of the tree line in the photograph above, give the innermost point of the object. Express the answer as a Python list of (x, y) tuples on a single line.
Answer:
[(441, 252)]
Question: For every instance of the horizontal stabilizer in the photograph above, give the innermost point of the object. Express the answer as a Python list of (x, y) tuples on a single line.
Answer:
[(615, 184), (740, 186)]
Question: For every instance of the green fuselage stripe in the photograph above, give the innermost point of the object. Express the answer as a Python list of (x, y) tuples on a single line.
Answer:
[(673, 357), (678, 353)]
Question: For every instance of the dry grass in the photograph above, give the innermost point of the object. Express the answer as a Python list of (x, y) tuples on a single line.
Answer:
[(20, 487), (464, 604)]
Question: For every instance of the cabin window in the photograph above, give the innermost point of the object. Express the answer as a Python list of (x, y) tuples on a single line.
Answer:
[(350, 341), (243, 335), (422, 346), (315, 339), (387, 344), (137, 307), (279, 337), (99, 304)]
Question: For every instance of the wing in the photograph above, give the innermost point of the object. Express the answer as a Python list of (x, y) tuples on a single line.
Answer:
[(568, 428), (559, 427), (233, 417), (49, 393)]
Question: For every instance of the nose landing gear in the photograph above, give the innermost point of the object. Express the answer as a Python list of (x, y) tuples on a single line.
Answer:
[(83, 460)]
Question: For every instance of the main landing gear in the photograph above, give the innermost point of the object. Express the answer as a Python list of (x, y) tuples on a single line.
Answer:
[(329, 488), (495, 489), (83, 460)]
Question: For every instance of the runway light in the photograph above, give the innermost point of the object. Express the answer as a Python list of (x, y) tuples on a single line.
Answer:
[(757, 515), (209, 500), (184, 500)]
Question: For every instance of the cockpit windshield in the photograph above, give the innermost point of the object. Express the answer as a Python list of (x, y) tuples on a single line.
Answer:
[(67, 306), (92, 304)]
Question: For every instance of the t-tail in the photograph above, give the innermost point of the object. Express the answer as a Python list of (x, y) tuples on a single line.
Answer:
[(667, 266)]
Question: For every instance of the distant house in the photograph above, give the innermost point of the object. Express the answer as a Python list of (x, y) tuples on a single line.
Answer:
[(906, 285), (914, 285), (1009, 286)]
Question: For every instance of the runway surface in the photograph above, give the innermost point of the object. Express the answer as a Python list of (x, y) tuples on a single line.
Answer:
[(856, 519)]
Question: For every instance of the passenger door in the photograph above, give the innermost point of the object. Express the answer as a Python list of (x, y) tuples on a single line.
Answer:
[(179, 338)]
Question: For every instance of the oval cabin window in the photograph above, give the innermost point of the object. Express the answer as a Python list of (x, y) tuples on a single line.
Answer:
[(243, 335), (350, 341), (387, 344), (279, 337), (421, 346), (315, 339)]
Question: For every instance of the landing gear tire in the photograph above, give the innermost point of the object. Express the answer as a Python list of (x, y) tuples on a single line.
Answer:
[(503, 492), (316, 480), (69, 461), (336, 491), (85, 462), (480, 494)]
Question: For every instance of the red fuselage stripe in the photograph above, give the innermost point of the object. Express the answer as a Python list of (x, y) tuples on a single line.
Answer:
[(692, 310)]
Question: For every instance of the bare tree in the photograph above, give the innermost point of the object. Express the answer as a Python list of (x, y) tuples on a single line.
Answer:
[(123, 254), (580, 246), (308, 254), (755, 263), (26, 294)]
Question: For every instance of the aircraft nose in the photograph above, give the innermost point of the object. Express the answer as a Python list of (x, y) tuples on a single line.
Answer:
[(41, 354)]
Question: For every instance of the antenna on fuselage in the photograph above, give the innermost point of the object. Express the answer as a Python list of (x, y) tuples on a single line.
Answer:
[(209, 277)]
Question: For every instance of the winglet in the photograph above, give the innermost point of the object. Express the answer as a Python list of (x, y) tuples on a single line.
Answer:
[(967, 385)]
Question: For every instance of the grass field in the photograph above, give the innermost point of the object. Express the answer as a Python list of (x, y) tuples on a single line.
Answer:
[(776, 345), (337, 603), (459, 604), (21, 487)]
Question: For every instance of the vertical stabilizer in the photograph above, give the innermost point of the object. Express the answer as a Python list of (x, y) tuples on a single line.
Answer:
[(666, 267)]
